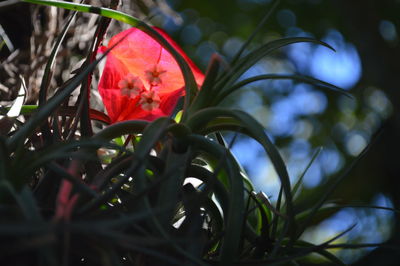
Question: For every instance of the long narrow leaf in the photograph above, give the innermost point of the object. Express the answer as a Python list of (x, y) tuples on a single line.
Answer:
[(234, 219), (254, 33), (299, 78), (332, 187), (151, 135), (200, 120), (174, 176), (50, 62), (252, 58), (205, 95), (300, 180)]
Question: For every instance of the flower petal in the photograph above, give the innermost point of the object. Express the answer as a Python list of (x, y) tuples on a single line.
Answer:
[(140, 56), (198, 75)]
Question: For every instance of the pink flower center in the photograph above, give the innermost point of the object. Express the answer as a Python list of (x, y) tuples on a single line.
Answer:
[(132, 86), (149, 100), (153, 75)]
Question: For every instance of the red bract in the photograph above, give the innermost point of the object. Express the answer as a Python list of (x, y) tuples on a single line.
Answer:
[(141, 79)]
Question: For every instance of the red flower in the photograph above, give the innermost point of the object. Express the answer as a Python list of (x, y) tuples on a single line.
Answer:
[(141, 79)]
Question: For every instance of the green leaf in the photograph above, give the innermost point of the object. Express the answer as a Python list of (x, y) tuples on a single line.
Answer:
[(77, 183), (193, 224), (173, 177), (25, 201), (200, 120), (234, 219), (50, 62), (154, 222), (300, 180), (216, 218), (263, 211), (329, 209), (65, 150), (211, 183), (25, 109), (122, 128), (115, 168), (323, 212), (302, 249), (330, 190), (299, 78), (28, 109), (257, 30), (205, 96), (151, 135), (94, 114), (29, 206), (253, 57), (332, 258)]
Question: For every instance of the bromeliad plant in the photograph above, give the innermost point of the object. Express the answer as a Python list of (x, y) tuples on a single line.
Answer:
[(122, 196)]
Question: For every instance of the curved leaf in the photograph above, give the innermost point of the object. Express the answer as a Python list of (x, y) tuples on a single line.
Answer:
[(300, 180), (151, 135), (300, 78), (121, 128), (254, 33), (200, 120), (94, 114), (253, 57), (234, 219)]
